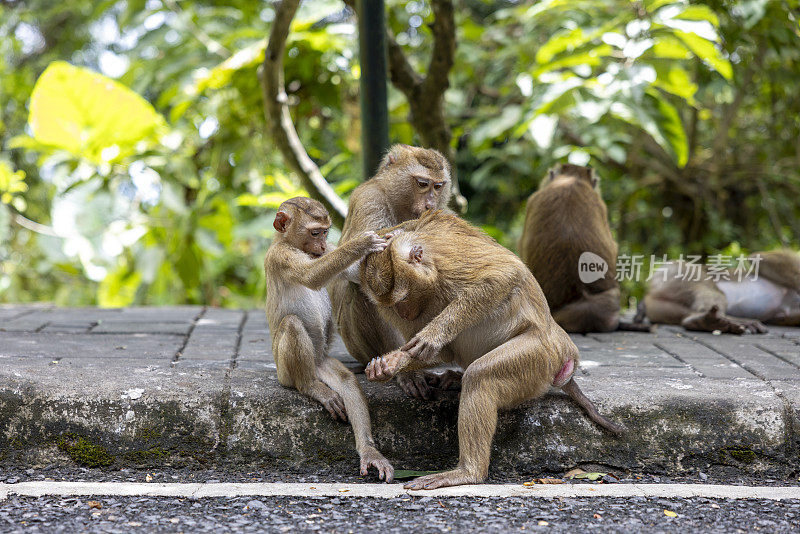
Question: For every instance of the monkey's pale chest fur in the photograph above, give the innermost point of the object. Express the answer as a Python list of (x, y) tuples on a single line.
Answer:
[(313, 307)]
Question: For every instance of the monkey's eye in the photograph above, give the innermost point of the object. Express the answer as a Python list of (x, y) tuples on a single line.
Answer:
[(422, 183), (315, 233), (437, 186)]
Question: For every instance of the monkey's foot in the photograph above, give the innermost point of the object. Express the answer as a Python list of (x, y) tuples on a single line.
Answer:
[(370, 457), (415, 384), (334, 404), (443, 381), (714, 320), (384, 367), (456, 477)]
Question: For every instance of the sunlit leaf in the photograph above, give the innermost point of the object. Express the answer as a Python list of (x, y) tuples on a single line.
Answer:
[(671, 127), (118, 288), (699, 12), (89, 115), (708, 52), (674, 79), (669, 47)]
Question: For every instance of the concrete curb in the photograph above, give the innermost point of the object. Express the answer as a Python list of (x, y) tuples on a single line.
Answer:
[(390, 491), (193, 386)]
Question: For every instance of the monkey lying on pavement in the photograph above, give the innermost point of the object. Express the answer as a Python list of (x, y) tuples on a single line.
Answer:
[(728, 305), (457, 295), (297, 268)]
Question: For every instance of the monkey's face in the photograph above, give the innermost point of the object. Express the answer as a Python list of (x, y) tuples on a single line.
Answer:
[(429, 190), (303, 231), (313, 238)]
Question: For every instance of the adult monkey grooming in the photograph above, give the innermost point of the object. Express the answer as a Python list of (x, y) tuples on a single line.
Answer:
[(409, 181), (565, 219), (731, 306), (457, 295), (299, 315)]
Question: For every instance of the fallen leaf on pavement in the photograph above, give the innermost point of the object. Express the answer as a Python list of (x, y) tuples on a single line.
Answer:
[(670, 513), (543, 523), (572, 472), (543, 481), (95, 504), (589, 476)]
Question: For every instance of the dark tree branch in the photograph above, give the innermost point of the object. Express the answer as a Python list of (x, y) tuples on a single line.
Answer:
[(402, 74), (280, 122), (444, 47), (425, 94)]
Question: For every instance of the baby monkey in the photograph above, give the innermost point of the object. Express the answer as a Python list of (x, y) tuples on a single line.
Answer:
[(298, 265)]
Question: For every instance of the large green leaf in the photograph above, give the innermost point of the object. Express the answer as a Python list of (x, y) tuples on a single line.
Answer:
[(118, 288), (708, 52), (671, 127), (89, 115)]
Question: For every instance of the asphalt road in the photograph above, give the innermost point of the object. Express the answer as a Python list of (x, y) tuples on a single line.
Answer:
[(417, 514)]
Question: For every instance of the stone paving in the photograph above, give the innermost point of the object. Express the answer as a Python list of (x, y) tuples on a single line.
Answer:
[(193, 384)]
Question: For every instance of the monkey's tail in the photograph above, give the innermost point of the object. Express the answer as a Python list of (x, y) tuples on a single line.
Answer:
[(571, 388)]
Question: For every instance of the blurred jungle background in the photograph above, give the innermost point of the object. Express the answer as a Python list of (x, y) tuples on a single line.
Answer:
[(137, 165)]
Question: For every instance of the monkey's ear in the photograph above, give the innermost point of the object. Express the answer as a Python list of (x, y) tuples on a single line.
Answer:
[(281, 221), (593, 177), (415, 254)]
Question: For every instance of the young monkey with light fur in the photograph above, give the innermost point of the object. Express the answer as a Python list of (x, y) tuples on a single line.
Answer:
[(298, 265), (457, 295)]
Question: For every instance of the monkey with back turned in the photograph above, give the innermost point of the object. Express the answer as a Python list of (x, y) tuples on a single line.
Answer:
[(564, 219)]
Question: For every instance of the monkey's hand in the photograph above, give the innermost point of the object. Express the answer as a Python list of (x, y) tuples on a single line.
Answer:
[(421, 349), (370, 457), (384, 367), (371, 242)]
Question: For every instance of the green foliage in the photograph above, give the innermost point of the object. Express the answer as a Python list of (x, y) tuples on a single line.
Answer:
[(135, 165), (89, 116)]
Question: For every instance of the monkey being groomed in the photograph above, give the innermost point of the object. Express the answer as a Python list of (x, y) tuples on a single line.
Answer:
[(565, 219), (458, 296), (297, 266), (729, 305)]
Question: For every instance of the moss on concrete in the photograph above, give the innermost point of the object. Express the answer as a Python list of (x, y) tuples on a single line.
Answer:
[(743, 455), (149, 456), (84, 452)]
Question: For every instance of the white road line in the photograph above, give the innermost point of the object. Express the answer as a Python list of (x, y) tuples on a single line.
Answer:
[(388, 491)]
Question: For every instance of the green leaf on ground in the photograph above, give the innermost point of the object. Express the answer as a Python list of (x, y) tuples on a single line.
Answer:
[(588, 476)]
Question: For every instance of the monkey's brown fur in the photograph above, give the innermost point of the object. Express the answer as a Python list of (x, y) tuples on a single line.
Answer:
[(298, 309), (457, 295), (704, 304), (392, 196), (565, 218)]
